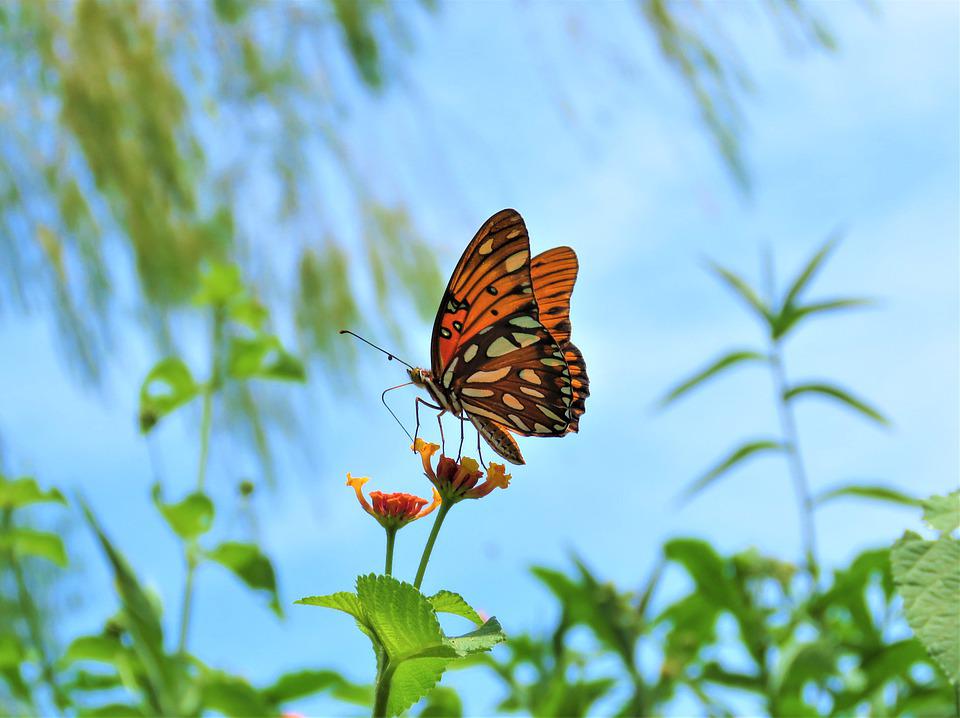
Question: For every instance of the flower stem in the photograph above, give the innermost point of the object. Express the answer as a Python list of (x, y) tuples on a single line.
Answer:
[(388, 564), (206, 429), (383, 690), (441, 515)]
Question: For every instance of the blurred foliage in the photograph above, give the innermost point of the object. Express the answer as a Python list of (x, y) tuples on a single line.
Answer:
[(141, 141)]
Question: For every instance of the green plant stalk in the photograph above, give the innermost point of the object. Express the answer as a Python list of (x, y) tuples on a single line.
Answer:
[(32, 617), (388, 563), (428, 549), (382, 694), (206, 429), (801, 484)]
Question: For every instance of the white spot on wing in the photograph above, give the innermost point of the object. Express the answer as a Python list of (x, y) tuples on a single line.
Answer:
[(525, 340), (525, 322), (478, 393), (448, 374), (531, 392), (517, 422), (546, 412), (529, 375), (486, 247), (470, 353), (488, 376)]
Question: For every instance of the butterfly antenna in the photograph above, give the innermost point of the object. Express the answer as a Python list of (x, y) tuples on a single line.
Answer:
[(383, 398), (390, 357)]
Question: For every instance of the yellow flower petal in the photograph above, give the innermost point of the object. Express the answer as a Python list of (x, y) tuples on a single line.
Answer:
[(357, 483), (497, 477)]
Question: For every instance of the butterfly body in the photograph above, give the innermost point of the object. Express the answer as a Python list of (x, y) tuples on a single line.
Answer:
[(501, 354)]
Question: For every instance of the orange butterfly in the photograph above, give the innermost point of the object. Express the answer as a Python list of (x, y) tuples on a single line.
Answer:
[(501, 354)]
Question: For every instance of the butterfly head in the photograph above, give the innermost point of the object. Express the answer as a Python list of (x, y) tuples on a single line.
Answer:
[(420, 377)]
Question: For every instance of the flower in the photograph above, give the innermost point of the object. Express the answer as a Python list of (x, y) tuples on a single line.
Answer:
[(459, 480), (394, 510)]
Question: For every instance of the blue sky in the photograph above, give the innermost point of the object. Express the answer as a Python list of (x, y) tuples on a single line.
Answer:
[(865, 140)]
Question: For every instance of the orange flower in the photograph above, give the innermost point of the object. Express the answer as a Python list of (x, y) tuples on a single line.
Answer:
[(459, 480), (392, 510)]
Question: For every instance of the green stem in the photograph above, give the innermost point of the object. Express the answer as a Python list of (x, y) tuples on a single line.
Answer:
[(441, 515), (382, 694), (206, 429), (31, 615), (388, 565), (801, 484)]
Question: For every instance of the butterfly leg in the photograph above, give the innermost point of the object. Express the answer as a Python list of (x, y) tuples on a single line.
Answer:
[(417, 402), (480, 454)]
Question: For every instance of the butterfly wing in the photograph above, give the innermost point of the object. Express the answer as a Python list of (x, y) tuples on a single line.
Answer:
[(492, 351), (553, 274)]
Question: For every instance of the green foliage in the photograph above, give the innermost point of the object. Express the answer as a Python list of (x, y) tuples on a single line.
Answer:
[(189, 518), (450, 602), (412, 650), (23, 542), (17, 493), (875, 492), (168, 386), (927, 576), (736, 457), (738, 356), (837, 394), (251, 566)]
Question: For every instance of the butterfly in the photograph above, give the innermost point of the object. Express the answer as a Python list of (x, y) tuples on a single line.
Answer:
[(501, 354)]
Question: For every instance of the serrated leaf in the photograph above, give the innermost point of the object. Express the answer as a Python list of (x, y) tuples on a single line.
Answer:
[(482, 639), (744, 291), (791, 316), (412, 680), (341, 601), (168, 386), (735, 458), (834, 392), (717, 366), (943, 512), (251, 566), (867, 491), (189, 518), (927, 576), (402, 617), (450, 602), (809, 271), (39, 544), (16, 493)]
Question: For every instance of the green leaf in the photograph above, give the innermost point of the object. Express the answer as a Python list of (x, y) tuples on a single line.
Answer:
[(943, 512), (11, 650), (263, 357), (744, 291), (736, 457), (873, 491), (791, 316), (219, 285), (442, 703), (449, 602), (401, 617), (16, 493), (111, 710), (250, 566), (168, 386), (809, 271), (232, 696), (717, 366), (300, 684), (412, 680), (103, 649), (189, 518), (40, 544), (141, 620), (480, 640), (341, 601), (250, 313), (927, 575), (838, 394)]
